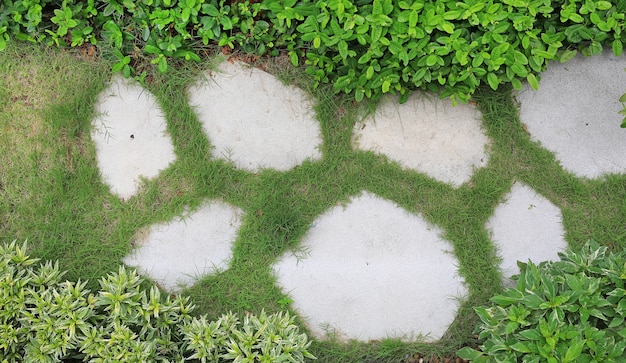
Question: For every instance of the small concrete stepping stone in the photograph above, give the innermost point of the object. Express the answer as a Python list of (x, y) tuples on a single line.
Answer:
[(526, 227), (427, 134), (575, 113), (372, 270), (130, 136), (177, 253), (254, 120)]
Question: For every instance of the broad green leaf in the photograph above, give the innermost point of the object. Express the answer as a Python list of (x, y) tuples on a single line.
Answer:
[(162, 66), (516, 83), (623, 98), (493, 81), (293, 56), (567, 55), (126, 71), (500, 299), (470, 354), (413, 17), (343, 49), (185, 15), (210, 10), (431, 60), (532, 81), (151, 49), (521, 347), (519, 70), (574, 350), (447, 27), (520, 57), (531, 334), (617, 47), (358, 94), (386, 85), (369, 73)]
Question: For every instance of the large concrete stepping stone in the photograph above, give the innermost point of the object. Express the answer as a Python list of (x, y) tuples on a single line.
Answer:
[(575, 113), (427, 134), (526, 226), (130, 136), (177, 253), (254, 120), (372, 270)]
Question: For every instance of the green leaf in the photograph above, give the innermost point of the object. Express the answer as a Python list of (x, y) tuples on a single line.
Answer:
[(470, 354), (617, 47), (493, 81), (151, 49), (623, 98), (369, 73), (431, 60), (521, 347), (293, 56), (386, 85), (532, 81), (567, 55), (210, 10), (162, 66), (447, 27), (574, 350), (317, 42), (343, 49)]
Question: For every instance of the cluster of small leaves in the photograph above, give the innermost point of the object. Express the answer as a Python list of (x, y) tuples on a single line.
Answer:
[(363, 47), (572, 310), (45, 319), (380, 46)]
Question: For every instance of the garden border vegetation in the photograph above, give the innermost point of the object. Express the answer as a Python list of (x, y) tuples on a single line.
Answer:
[(366, 48)]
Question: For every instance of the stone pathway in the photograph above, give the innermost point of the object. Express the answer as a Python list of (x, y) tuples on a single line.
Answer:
[(371, 273)]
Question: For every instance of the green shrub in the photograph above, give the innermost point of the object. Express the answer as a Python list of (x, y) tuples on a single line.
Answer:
[(45, 319), (572, 310), (363, 47)]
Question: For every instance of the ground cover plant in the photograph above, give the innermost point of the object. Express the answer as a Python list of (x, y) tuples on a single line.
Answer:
[(570, 310), (47, 319), (51, 192), (365, 48)]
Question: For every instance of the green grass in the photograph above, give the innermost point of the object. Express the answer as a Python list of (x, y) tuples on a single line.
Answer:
[(52, 195)]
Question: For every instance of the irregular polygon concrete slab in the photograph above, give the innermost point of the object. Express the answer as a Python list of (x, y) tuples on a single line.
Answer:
[(427, 134), (175, 254), (372, 270), (254, 120), (526, 227), (575, 113), (130, 136)]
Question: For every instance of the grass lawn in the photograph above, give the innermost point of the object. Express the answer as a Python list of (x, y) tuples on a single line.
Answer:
[(51, 192)]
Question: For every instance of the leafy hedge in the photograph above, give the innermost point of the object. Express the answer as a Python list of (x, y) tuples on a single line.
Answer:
[(363, 47), (44, 319), (572, 310)]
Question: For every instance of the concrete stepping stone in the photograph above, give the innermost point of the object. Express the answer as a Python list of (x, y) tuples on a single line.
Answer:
[(130, 136), (575, 113), (372, 270), (177, 253), (427, 134), (525, 227), (254, 120)]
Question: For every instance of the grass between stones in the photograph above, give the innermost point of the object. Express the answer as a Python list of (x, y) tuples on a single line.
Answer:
[(52, 195)]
